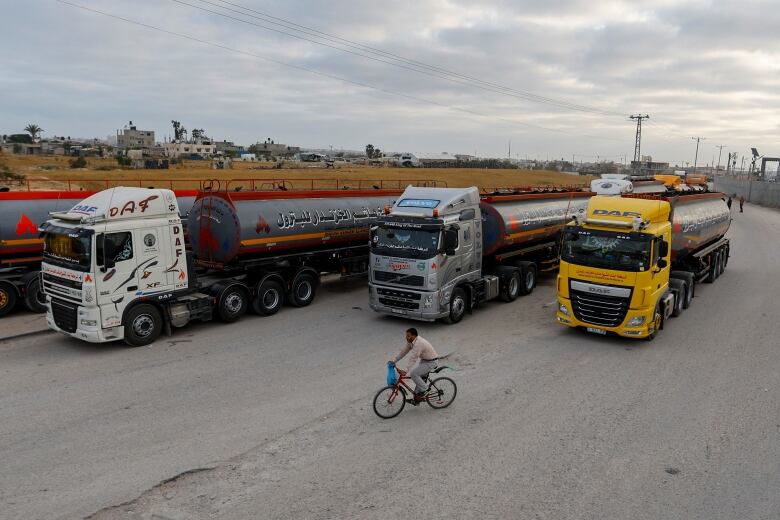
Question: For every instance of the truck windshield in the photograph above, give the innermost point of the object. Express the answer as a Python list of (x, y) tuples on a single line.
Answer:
[(621, 252), (407, 243), (71, 250)]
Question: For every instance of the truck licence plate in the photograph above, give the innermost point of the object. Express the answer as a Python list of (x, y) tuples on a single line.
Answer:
[(597, 331), (398, 311)]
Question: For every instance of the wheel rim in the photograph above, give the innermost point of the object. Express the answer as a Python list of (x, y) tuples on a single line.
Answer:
[(657, 322), (3, 298), (234, 302), (389, 402), (304, 290), (270, 299), (143, 325), (458, 306), (529, 280), (40, 297), (513, 285)]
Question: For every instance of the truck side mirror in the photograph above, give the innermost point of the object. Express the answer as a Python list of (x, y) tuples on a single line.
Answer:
[(467, 214), (662, 263), (450, 241), (663, 248)]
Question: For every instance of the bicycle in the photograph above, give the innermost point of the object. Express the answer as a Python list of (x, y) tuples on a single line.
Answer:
[(391, 400)]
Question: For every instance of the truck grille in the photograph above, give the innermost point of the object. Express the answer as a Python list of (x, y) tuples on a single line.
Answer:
[(65, 314), (606, 311), (399, 299), (399, 278), (73, 284)]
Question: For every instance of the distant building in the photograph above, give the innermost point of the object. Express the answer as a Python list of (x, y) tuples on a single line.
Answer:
[(649, 167), (133, 138), (437, 159), (229, 147), (271, 149), (186, 150)]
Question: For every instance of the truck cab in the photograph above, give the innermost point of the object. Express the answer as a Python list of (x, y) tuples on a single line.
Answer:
[(109, 254), (426, 246), (615, 268)]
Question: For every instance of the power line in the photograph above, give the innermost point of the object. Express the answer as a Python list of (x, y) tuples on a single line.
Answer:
[(387, 58), (325, 74)]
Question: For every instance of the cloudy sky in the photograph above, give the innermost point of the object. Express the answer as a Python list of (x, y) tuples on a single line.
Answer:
[(556, 77)]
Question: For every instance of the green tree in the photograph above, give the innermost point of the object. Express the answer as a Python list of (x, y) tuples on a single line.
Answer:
[(369, 151), (34, 130)]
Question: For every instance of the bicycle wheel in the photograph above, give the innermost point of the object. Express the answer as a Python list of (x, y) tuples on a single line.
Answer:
[(442, 392), (389, 401)]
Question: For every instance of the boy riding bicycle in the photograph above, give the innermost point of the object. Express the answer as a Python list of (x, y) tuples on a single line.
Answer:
[(421, 362)]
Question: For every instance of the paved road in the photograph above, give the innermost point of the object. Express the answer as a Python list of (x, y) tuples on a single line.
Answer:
[(271, 417)]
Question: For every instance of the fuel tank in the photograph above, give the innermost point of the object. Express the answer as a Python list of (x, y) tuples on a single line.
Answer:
[(225, 227), (514, 221), (697, 220)]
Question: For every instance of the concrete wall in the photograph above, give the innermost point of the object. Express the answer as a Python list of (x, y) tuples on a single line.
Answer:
[(757, 192)]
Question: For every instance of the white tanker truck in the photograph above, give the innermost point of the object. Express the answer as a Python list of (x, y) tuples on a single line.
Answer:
[(119, 266)]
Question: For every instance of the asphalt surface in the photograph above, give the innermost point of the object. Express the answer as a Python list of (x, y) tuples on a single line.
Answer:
[(272, 418)]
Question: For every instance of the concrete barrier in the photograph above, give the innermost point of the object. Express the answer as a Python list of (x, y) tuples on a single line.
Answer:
[(756, 192)]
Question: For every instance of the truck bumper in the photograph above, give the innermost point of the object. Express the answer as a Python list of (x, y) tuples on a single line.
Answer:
[(397, 301), (630, 328), (87, 326)]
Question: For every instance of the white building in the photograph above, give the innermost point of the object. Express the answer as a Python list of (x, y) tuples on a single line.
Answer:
[(176, 149)]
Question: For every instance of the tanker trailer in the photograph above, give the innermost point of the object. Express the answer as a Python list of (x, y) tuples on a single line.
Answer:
[(634, 261), (442, 251), (21, 247), (121, 266)]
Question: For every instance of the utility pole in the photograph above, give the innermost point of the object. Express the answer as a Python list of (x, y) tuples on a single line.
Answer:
[(720, 149), (742, 166), (696, 158), (638, 143)]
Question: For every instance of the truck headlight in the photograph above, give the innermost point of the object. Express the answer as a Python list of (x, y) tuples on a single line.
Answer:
[(428, 302), (636, 321), (89, 323), (564, 310)]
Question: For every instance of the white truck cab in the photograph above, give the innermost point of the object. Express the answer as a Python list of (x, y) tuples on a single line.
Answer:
[(107, 256)]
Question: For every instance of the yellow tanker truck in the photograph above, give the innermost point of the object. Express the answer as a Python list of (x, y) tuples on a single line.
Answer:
[(632, 261)]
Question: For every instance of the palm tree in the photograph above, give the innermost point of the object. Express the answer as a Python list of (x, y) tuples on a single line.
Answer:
[(33, 130)]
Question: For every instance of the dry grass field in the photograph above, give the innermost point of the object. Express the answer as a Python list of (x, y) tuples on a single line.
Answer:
[(54, 172)]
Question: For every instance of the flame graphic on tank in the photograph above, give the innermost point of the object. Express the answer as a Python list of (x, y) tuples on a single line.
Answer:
[(262, 226), (25, 225)]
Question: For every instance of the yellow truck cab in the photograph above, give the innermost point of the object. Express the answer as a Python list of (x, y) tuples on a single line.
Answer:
[(634, 260)]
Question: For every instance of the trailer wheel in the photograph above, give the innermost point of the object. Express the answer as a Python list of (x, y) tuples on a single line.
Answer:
[(302, 290), (724, 258), (681, 289), (7, 298), (269, 298), (457, 306), (528, 278), (712, 273), (511, 288), (143, 325), (34, 297), (232, 303)]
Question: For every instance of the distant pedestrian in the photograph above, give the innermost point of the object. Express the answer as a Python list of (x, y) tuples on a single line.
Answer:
[(741, 203), (728, 203)]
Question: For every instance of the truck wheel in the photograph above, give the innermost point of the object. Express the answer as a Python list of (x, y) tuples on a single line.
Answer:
[(712, 273), (269, 298), (690, 286), (302, 291), (34, 298), (724, 258), (511, 289), (457, 306), (7, 298), (232, 303), (658, 320), (143, 325), (681, 289), (528, 278)]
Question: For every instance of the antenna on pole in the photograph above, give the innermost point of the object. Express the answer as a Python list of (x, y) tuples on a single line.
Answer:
[(638, 144)]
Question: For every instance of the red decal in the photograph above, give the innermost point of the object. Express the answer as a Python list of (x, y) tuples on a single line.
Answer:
[(182, 276), (87, 278), (25, 225)]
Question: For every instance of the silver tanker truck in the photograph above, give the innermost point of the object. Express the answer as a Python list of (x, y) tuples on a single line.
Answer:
[(440, 252), (117, 265)]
